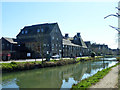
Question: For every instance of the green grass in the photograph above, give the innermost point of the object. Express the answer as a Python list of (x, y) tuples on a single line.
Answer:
[(19, 66), (88, 58), (86, 83)]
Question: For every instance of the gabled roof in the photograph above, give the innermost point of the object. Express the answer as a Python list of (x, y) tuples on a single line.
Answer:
[(11, 40), (80, 41), (47, 27)]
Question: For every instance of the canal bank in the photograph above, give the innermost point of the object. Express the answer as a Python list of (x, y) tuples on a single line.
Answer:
[(20, 66), (107, 78), (109, 81)]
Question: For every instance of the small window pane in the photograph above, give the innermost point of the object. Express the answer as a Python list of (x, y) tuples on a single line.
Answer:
[(38, 30), (26, 32), (52, 37), (22, 32), (42, 30)]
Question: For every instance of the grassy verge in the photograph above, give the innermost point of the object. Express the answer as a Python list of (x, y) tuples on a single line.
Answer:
[(88, 58), (86, 83), (19, 66)]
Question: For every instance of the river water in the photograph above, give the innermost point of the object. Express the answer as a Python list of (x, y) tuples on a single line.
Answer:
[(54, 77)]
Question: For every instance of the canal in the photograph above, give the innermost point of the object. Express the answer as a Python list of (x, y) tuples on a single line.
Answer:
[(54, 77)]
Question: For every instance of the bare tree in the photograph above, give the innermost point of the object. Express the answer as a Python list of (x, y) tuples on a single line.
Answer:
[(116, 28)]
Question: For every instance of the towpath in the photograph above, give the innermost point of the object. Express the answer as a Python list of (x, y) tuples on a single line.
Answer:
[(109, 81)]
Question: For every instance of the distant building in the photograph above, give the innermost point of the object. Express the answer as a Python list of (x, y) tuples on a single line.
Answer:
[(74, 46), (100, 49)]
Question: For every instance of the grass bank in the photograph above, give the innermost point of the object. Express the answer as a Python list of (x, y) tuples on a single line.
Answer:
[(19, 66), (88, 58), (86, 83)]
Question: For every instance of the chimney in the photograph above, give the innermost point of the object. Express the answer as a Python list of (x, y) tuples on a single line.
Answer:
[(78, 34), (66, 35)]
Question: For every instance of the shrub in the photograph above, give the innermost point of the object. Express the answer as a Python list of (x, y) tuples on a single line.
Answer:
[(93, 54)]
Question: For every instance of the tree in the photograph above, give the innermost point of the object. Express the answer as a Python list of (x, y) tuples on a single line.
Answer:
[(116, 28), (93, 54)]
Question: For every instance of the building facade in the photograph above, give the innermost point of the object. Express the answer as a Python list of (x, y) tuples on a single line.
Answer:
[(41, 39), (8, 48)]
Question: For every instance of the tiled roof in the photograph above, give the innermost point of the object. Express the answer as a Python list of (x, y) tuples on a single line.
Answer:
[(47, 27)]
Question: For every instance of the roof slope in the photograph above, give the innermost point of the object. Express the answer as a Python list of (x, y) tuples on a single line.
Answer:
[(11, 40), (47, 27), (68, 42)]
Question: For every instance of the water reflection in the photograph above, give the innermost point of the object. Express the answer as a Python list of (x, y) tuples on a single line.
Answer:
[(56, 77)]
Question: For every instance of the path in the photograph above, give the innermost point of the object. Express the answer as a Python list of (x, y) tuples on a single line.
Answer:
[(109, 81)]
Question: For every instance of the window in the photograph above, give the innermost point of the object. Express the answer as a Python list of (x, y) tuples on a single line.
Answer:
[(22, 32), (7, 44), (26, 32), (53, 45), (56, 30), (48, 45), (45, 45), (52, 37), (56, 45), (57, 39), (75, 38), (42, 30), (38, 30)]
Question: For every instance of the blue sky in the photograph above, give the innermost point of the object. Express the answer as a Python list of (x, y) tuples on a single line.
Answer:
[(72, 17)]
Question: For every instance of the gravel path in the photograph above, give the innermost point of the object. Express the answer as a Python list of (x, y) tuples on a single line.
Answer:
[(109, 81)]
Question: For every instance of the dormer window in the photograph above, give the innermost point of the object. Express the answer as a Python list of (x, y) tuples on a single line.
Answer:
[(75, 38), (22, 32), (42, 30), (26, 32), (38, 30)]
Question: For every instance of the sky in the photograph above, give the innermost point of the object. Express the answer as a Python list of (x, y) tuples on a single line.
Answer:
[(72, 17)]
